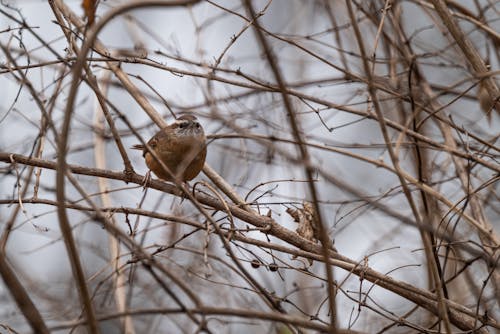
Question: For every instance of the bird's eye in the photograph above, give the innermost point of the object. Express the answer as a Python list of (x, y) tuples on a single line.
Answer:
[(183, 125), (197, 125)]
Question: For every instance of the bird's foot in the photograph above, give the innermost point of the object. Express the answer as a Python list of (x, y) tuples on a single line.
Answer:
[(146, 180)]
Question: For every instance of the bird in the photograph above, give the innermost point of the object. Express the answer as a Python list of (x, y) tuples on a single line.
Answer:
[(181, 146)]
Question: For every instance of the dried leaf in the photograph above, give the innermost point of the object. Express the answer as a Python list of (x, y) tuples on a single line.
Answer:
[(485, 100), (89, 7), (306, 219)]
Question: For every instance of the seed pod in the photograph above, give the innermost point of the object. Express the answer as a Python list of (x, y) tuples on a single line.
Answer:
[(255, 263), (273, 267)]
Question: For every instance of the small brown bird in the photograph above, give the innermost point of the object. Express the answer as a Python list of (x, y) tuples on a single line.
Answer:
[(181, 147)]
